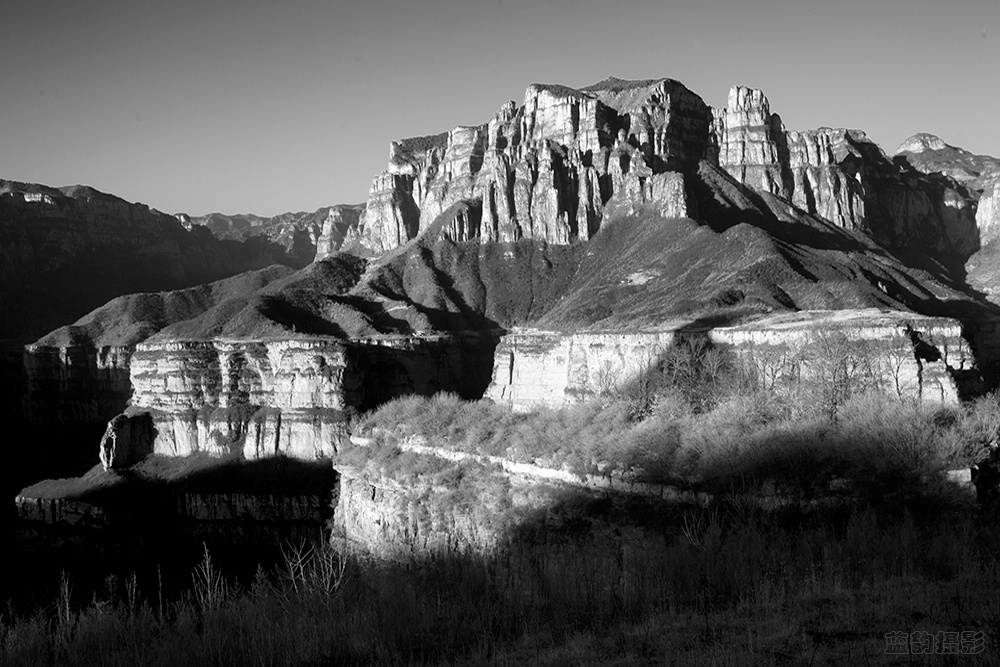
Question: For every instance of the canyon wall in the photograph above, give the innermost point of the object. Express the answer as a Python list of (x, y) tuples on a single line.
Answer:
[(257, 399), (301, 235), (545, 170), (842, 176), (76, 384), (911, 355), (556, 166)]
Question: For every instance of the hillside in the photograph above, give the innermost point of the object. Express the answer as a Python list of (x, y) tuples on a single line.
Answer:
[(745, 256), (623, 205), (65, 251)]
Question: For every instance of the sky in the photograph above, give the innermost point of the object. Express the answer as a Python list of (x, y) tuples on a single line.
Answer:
[(263, 107)]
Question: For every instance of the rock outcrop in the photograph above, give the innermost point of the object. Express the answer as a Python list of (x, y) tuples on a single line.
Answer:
[(843, 177), (76, 383), (929, 154), (545, 170), (559, 165), (304, 236), (911, 356), (127, 440), (988, 212), (77, 377), (259, 399)]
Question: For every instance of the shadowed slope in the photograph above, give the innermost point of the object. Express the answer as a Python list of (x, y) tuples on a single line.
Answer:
[(132, 318), (745, 254)]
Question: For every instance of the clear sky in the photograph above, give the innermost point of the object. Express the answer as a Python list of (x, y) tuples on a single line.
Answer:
[(200, 105)]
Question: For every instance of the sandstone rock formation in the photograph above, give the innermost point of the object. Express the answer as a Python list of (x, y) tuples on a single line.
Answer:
[(930, 154), (78, 375), (988, 212), (617, 218), (980, 175)]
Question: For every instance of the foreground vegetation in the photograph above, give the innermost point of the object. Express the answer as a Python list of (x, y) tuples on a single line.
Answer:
[(734, 586), (619, 580)]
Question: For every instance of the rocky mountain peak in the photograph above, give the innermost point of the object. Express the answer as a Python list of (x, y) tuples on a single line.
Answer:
[(748, 100), (556, 167), (923, 141)]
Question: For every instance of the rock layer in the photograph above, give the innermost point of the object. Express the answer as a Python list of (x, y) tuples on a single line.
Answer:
[(544, 170), (304, 236), (559, 165), (914, 356), (842, 176), (258, 399)]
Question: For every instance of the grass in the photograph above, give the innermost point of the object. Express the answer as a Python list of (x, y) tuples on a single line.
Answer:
[(879, 444), (732, 587)]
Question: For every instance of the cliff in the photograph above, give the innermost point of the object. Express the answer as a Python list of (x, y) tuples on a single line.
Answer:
[(78, 375), (901, 353), (981, 175), (261, 399), (559, 165), (546, 170), (168, 508), (842, 176), (626, 208), (302, 235)]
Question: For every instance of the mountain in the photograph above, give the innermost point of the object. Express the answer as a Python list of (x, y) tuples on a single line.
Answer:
[(930, 154), (558, 166), (300, 234), (553, 246), (65, 251)]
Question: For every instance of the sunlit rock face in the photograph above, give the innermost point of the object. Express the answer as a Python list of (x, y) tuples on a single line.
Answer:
[(907, 355), (303, 236), (544, 170), (559, 165), (395, 521), (341, 228), (988, 212), (254, 399), (258, 399), (127, 440), (842, 176)]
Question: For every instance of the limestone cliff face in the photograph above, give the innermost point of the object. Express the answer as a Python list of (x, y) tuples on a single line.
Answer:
[(559, 165), (76, 384), (546, 169), (988, 211), (341, 228), (304, 236), (412, 521), (258, 399), (915, 356), (843, 177)]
